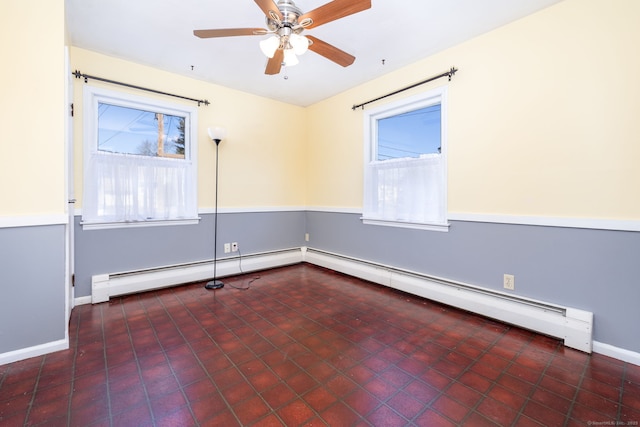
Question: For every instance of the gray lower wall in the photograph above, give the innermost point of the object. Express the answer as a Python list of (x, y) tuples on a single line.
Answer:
[(32, 274), (129, 249), (594, 270)]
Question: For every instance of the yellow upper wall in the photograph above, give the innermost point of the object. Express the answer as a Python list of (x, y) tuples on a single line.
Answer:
[(543, 118), (32, 168), (260, 165)]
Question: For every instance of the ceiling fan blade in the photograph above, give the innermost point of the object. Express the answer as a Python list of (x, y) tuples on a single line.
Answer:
[(270, 8), (275, 64), (229, 32), (330, 52), (333, 10)]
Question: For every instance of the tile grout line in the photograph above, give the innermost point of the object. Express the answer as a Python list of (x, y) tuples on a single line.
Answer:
[(106, 366), (621, 395), (135, 356), (35, 388), (164, 351), (575, 395), (73, 370)]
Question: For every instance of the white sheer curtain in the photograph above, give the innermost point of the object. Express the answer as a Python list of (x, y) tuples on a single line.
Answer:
[(406, 190), (128, 188)]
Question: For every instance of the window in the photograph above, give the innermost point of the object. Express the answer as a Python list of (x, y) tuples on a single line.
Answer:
[(127, 130), (405, 163), (411, 134), (139, 161)]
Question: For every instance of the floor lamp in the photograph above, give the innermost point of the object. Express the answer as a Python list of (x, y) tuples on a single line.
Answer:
[(216, 134)]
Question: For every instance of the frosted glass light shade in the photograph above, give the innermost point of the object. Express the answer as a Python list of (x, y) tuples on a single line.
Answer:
[(269, 46), (290, 58), (299, 43), (217, 133)]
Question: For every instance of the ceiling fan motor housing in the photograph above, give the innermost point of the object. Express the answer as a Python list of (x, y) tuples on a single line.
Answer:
[(290, 14)]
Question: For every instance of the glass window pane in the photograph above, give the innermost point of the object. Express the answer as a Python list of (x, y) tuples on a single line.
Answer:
[(132, 131), (410, 134)]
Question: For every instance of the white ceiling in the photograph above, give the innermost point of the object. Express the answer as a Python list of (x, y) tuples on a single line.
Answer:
[(159, 33)]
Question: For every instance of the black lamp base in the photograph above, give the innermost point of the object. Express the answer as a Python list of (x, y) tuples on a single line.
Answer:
[(214, 284)]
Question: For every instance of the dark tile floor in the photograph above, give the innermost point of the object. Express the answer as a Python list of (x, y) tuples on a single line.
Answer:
[(307, 346)]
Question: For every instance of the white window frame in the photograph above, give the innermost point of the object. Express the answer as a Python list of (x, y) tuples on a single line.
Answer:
[(371, 117), (92, 97)]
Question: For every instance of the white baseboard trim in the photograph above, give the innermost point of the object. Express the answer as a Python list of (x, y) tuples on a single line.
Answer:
[(252, 209), (33, 220), (617, 353), (566, 222), (82, 301), (237, 209), (332, 209), (37, 350), (589, 223), (104, 286)]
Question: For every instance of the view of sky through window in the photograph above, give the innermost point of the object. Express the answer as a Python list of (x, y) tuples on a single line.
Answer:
[(132, 131), (410, 134)]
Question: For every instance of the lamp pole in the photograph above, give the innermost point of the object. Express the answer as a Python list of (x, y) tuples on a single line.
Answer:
[(216, 135)]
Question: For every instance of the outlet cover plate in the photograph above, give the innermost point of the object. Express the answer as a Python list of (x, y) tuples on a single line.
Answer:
[(509, 282)]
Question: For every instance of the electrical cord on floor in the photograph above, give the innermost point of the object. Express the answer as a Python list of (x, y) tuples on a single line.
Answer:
[(248, 281)]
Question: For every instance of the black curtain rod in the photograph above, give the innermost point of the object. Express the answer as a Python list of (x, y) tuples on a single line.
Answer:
[(86, 77), (449, 74)]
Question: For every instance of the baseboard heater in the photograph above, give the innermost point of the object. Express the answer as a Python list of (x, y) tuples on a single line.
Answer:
[(572, 325), (104, 286)]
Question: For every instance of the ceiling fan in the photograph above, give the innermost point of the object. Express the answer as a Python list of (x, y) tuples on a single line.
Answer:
[(286, 21)]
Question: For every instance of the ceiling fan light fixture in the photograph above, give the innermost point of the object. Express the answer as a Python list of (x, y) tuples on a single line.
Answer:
[(270, 45), (290, 58), (300, 44)]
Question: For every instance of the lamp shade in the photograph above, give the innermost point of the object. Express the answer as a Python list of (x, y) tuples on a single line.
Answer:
[(269, 46), (299, 43), (217, 133), (290, 58)]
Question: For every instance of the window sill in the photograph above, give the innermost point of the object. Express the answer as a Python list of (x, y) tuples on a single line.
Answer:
[(442, 227), (130, 224)]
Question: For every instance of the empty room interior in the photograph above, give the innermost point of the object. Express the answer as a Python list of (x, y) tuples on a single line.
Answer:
[(335, 213)]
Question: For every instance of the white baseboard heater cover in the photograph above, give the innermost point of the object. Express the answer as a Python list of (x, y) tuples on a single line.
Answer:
[(573, 326), (104, 286)]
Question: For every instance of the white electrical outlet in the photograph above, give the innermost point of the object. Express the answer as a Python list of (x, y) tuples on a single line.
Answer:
[(234, 247), (227, 248), (306, 237), (509, 282)]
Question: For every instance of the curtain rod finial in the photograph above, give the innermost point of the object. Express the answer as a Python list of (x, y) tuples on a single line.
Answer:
[(452, 71)]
